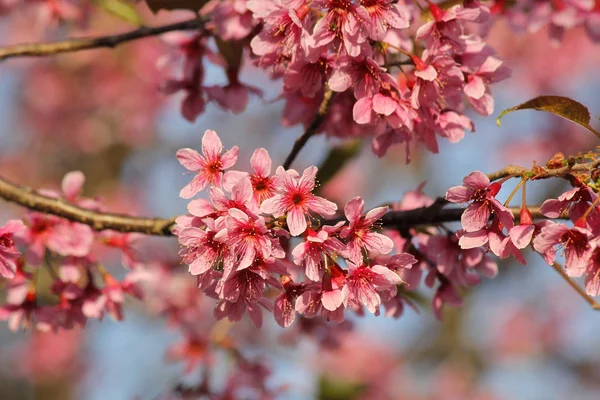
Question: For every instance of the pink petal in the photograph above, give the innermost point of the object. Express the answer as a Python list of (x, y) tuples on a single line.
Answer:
[(211, 144), (296, 221), (72, 184), (229, 158), (190, 159), (383, 104), (194, 187), (521, 235), (261, 162), (362, 111), (475, 217), (331, 299), (354, 209), (476, 180)]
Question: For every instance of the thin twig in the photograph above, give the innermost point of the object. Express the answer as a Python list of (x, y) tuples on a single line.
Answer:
[(72, 45), (312, 128), (539, 172), (590, 300), (32, 200)]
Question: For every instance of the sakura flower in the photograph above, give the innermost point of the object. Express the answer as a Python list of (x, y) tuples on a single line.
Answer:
[(592, 277), (344, 24), (446, 30), (315, 248), (445, 294), (210, 167), (246, 237), (294, 199), (577, 200), (359, 235), (193, 49), (263, 185), (479, 74), (8, 252), (363, 283), (477, 188), (234, 96), (284, 308), (285, 26), (385, 14), (308, 75), (363, 74), (575, 243), (58, 235), (201, 250), (386, 107)]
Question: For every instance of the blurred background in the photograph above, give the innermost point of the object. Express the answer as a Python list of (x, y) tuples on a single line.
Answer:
[(523, 335)]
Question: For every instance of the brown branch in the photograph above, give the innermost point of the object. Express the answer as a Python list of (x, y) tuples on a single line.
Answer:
[(589, 299), (312, 128), (29, 198), (539, 172), (97, 220), (72, 45)]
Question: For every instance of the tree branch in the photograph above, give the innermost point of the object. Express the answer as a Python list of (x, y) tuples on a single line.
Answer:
[(581, 292), (312, 128), (72, 45), (539, 172), (99, 221)]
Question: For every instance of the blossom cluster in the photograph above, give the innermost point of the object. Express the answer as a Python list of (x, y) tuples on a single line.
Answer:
[(398, 79), (80, 287), (238, 242), (489, 225)]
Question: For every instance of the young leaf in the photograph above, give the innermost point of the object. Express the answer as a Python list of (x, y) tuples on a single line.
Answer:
[(559, 105), (121, 9)]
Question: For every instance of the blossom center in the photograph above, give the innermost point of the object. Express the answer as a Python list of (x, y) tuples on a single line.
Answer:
[(6, 241)]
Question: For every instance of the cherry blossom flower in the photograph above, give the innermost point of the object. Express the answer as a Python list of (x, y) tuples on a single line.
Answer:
[(477, 188), (359, 234), (575, 243), (363, 283), (210, 167), (8, 252), (294, 199), (385, 14), (362, 74), (263, 185), (344, 24), (247, 238), (316, 247)]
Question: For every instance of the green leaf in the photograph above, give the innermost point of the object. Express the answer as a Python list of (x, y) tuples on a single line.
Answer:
[(121, 9), (335, 161), (559, 105), (329, 389)]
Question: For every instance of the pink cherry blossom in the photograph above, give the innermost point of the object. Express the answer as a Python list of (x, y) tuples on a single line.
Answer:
[(359, 234), (363, 283), (477, 188), (263, 185), (361, 74), (294, 199), (210, 167), (247, 238), (8, 251), (575, 243), (344, 24), (316, 247), (201, 250), (383, 15)]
